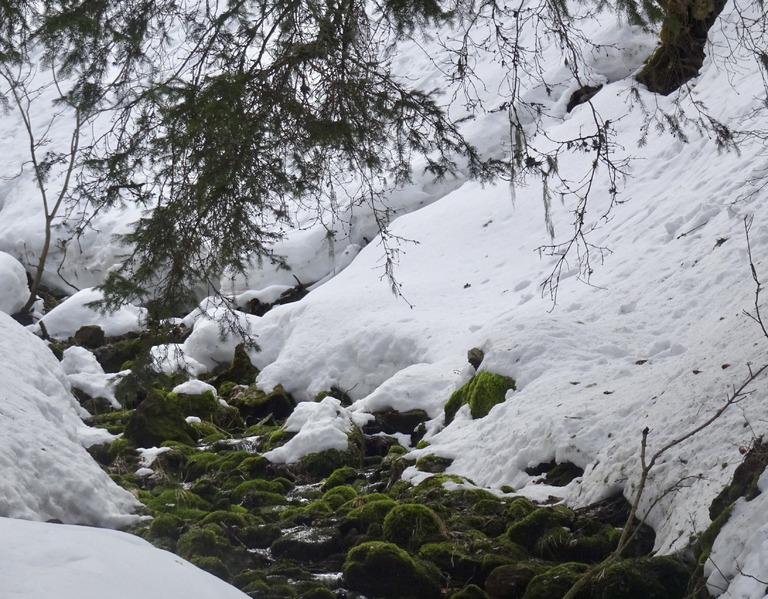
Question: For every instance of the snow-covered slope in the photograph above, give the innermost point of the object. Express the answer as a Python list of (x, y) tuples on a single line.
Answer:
[(47, 474)]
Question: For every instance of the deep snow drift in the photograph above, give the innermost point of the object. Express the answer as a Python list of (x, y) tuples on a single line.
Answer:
[(659, 339)]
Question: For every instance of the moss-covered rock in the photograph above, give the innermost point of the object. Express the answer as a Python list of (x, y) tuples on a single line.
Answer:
[(662, 577), (156, 420), (481, 392), (340, 476), (307, 544), (256, 405), (384, 570), (371, 513), (338, 496), (165, 526), (392, 421), (411, 525), (471, 591), (511, 580), (463, 564), (317, 466), (176, 501), (241, 371), (213, 565), (556, 582), (744, 483), (208, 408), (529, 529), (258, 493), (433, 464)]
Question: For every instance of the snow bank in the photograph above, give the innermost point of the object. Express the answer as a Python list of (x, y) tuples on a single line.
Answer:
[(85, 373), (66, 318), (47, 473), (13, 284), (320, 426), (75, 562)]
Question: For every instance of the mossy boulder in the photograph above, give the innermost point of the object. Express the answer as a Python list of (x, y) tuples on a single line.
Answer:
[(256, 405), (462, 564), (307, 544), (661, 577), (370, 513), (528, 530), (258, 493), (433, 464), (241, 370), (209, 409), (317, 466), (156, 420), (338, 496), (90, 336), (471, 591), (392, 421), (114, 355), (177, 500), (556, 582), (411, 525), (212, 565), (745, 478), (378, 569), (481, 392), (511, 580), (165, 526), (341, 476)]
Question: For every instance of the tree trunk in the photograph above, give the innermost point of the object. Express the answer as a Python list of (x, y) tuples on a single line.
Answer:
[(683, 38)]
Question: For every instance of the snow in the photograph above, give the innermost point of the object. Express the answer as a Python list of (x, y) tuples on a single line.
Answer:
[(13, 284), (66, 318), (658, 339), (68, 562), (319, 426), (194, 387), (47, 474), (85, 373)]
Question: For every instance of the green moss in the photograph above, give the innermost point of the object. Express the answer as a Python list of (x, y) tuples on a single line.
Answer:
[(168, 526), (662, 577), (370, 513), (338, 496), (422, 444), (256, 405), (481, 392), (462, 564), (432, 463), (157, 420), (213, 565), (259, 493), (555, 582), (175, 500), (306, 514), (385, 570), (528, 530), (411, 525), (254, 466), (318, 593), (471, 591), (398, 450), (507, 489), (520, 508), (745, 478), (703, 546), (340, 476), (317, 466)]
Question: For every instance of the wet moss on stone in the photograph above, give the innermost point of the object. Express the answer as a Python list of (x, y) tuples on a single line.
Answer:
[(481, 392), (411, 525), (384, 570)]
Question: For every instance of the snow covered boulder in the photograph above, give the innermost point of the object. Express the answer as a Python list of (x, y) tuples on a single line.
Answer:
[(47, 473), (13, 284)]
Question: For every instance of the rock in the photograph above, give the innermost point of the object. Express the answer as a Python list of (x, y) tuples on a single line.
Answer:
[(90, 336), (385, 570), (255, 405), (156, 420), (481, 392), (509, 581), (475, 357), (411, 525), (308, 544), (392, 421)]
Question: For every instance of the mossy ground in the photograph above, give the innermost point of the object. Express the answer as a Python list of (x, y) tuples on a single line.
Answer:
[(270, 529)]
